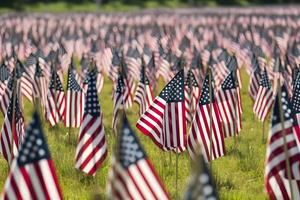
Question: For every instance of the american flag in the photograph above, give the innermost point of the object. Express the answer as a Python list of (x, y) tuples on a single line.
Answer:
[(229, 108), (201, 184), (118, 101), (296, 98), (26, 83), (143, 94), (199, 136), (132, 175), (264, 98), (4, 76), (281, 135), (12, 131), (32, 173), (55, 106), (91, 148), (191, 95), (40, 85), (254, 84), (74, 102), (4, 99), (165, 121)]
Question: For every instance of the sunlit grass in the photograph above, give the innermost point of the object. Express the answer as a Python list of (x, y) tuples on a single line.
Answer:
[(239, 175)]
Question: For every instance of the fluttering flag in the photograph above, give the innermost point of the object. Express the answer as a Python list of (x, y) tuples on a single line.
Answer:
[(143, 94), (12, 132), (55, 106), (165, 121), (91, 148), (264, 99), (229, 108), (191, 95), (132, 175), (283, 155), (74, 102), (206, 131), (201, 183), (118, 101), (32, 173)]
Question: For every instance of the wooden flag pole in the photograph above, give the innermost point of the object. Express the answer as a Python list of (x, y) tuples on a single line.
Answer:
[(210, 117), (263, 133), (283, 133), (176, 183)]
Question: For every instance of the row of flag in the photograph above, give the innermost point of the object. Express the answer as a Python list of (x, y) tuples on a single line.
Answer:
[(200, 59)]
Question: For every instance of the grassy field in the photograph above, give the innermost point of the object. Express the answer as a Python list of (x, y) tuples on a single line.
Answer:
[(239, 175), (59, 7)]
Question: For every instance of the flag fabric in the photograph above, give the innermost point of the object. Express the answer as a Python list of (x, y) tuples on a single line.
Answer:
[(74, 102), (118, 101), (201, 183), (5, 98), (295, 104), (32, 173), (254, 85), (55, 106), (191, 95), (143, 94), (165, 121), (229, 108), (277, 183), (12, 132), (40, 86), (199, 137), (91, 148), (264, 98), (132, 175)]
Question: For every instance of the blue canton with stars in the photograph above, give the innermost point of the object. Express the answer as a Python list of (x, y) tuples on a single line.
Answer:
[(264, 81), (144, 79), (296, 95), (72, 83), (286, 107), (38, 71), (191, 80), (4, 72), (202, 185), (18, 114), (34, 147), (55, 83), (205, 98), (130, 150), (229, 82), (120, 84), (174, 90), (92, 106)]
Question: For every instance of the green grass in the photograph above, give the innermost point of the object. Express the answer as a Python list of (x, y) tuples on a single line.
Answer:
[(239, 175), (60, 7)]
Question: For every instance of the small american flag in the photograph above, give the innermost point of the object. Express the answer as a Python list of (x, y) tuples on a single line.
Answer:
[(74, 102), (165, 121), (143, 95), (4, 99), (277, 183), (55, 107), (91, 148), (12, 132), (132, 175), (264, 98), (32, 174), (191, 95), (118, 101), (199, 136), (201, 184), (229, 108), (254, 84)]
